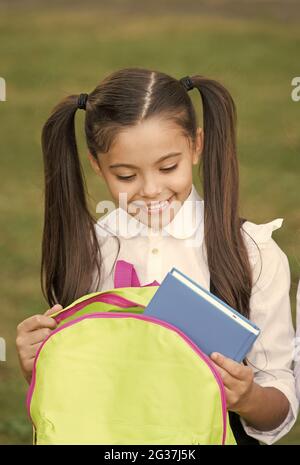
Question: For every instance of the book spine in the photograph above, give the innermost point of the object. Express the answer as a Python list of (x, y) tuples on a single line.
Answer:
[(245, 348)]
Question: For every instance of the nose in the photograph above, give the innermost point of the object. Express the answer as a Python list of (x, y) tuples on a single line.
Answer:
[(150, 189)]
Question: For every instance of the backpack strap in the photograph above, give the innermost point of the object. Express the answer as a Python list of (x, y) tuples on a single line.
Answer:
[(126, 276), (240, 434)]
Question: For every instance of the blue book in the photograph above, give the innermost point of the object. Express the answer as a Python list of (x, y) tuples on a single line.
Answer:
[(209, 322)]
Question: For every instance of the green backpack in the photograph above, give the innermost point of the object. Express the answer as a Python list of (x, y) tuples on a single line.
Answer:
[(110, 375)]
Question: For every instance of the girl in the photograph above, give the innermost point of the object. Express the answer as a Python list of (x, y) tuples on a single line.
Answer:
[(297, 343), (143, 140)]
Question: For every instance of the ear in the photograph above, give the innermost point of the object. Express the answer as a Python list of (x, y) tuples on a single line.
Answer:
[(198, 146), (95, 165)]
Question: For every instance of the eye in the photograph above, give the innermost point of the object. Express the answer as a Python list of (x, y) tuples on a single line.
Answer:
[(170, 168), (130, 178), (125, 178)]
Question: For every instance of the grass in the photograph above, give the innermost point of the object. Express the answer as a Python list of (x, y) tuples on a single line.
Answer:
[(47, 53)]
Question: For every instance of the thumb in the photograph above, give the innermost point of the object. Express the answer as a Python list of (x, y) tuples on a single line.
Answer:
[(53, 309)]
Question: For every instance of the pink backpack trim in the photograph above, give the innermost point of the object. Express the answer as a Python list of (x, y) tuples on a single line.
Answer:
[(126, 276)]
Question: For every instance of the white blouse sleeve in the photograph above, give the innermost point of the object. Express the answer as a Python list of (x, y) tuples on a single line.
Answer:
[(272, 354), (297, 348)]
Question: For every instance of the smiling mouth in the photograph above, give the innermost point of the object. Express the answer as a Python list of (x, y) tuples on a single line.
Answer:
[(154, 206), (158, 206)]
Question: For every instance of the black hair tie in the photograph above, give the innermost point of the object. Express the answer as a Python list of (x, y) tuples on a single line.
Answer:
[(187, 83), (82, 99)]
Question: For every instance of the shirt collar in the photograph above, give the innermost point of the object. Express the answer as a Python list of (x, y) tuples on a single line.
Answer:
[(188, 219)]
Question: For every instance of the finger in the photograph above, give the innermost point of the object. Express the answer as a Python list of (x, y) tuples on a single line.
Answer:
[(30, 340), (28, 355), (228, 380), (27, 369), (234, 368), (31, 351), (232, 400), (53, 310), (228, 395), (34, 349), (36, 322), (39, 335)]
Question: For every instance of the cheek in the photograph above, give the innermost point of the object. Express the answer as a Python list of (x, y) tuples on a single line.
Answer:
[(183, 180), (121, 191)]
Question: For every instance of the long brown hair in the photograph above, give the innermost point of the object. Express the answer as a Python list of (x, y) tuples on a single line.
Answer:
[(70, 250)]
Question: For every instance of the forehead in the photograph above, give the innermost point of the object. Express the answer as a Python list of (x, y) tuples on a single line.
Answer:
[(154, 137)]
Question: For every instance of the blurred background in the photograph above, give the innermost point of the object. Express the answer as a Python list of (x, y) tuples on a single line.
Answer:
[(51, 49)]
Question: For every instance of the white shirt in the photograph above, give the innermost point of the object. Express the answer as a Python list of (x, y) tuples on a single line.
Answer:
[(180, 244), (297, 346)]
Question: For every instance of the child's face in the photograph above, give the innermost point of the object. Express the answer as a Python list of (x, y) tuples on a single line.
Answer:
[(151, 182)]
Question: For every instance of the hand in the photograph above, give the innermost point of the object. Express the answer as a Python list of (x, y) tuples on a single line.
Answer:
[(30, 335), (238, 381)]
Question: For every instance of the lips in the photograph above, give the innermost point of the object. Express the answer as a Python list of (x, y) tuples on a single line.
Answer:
[(153, 206), (154, 203)]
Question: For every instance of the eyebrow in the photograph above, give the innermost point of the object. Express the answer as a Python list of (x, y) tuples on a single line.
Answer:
[(126, 165)]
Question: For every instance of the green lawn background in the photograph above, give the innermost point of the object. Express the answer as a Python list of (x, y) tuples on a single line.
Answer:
[(49, 52)]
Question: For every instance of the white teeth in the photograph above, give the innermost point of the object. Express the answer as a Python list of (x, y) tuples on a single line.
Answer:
[(153, 206), (158, 206)]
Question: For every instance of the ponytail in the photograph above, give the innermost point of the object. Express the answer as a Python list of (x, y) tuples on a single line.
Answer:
[(227, 255), (69, 245)]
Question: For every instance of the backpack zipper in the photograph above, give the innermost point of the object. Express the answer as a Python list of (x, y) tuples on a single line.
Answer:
[(113, 299)]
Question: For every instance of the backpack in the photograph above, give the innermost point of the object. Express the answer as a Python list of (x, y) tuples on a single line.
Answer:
[(110, 375)]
